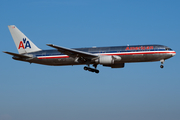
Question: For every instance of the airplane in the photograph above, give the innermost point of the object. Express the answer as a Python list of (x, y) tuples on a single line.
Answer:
[(114, 57)]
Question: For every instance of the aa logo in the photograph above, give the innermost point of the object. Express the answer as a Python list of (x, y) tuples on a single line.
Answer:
[(24, 42)]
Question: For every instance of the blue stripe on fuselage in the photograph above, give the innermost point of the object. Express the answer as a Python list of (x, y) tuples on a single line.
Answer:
[(97, 50)]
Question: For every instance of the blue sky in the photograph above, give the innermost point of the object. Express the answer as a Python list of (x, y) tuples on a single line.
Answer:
[(137, 92)]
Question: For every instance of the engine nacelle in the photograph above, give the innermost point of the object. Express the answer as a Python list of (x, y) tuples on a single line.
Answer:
[(116, 58), (117, 65), (107, 60)]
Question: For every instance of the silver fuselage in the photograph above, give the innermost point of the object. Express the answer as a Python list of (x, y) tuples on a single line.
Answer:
[(137, 53)]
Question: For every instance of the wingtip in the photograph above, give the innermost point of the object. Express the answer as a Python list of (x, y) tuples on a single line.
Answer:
[(49, 44), (4, 51)]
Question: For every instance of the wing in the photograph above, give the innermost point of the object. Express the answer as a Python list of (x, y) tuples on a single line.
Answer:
[(73, 52), (17, 55)]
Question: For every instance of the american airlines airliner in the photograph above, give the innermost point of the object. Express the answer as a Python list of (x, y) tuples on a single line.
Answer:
[(114, 57)]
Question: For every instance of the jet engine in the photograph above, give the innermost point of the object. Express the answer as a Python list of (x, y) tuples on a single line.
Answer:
[(107, 60), (117, 65)]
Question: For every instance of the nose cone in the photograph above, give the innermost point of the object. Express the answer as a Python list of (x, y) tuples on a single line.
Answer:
[(173, 53)]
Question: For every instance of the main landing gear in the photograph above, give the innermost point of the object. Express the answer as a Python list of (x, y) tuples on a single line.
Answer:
[(91, 69), (162, 62)]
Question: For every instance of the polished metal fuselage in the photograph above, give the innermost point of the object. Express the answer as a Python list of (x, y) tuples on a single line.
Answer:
[(137, 53)]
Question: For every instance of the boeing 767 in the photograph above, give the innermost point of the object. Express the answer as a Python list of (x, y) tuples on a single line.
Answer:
[(114, 57)]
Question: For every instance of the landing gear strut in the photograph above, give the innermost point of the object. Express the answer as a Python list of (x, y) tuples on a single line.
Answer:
[(91, 69), (162, 62)]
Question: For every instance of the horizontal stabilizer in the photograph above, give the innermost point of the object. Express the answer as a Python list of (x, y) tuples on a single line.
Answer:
[(17, 55), (73, 52)]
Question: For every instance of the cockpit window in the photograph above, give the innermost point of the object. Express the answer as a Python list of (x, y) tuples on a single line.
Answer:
[(168, 49)]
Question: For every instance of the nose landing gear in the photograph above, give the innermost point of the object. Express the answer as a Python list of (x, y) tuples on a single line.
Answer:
[(162, 62), (161, 66), (91, 69)]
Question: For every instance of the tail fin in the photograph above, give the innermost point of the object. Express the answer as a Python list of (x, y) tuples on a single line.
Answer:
[(23, 44)]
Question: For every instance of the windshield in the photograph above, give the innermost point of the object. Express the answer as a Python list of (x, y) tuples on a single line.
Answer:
[(168, 49)]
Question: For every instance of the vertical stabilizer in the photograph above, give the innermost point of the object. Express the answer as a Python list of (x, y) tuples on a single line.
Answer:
[(23, 43)]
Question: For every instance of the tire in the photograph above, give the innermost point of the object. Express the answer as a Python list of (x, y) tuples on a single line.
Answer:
[(96, 71), (161, 66), (85, 68)]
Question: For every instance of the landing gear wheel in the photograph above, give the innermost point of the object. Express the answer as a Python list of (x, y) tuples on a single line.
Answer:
[(91, 69), (96, 71), (85, 68), (162, 62), (161, 66)]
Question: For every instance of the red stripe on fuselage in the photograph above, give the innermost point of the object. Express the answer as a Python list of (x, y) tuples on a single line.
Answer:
[(120, 53), (137, 53), (52, 57)]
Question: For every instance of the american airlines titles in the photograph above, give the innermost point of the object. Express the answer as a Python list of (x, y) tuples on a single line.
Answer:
[(140, 48)]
